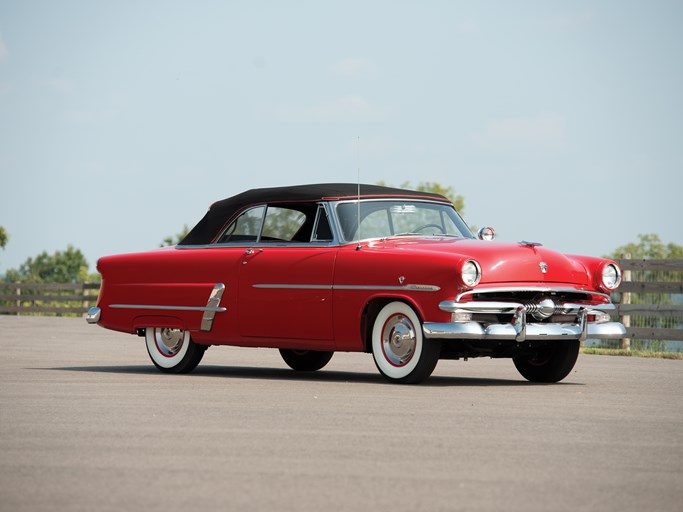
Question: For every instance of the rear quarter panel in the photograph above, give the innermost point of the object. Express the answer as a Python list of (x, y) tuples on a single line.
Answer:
[(166, 277)]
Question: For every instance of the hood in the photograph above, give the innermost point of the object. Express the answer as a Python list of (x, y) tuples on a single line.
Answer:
[(500, 262)]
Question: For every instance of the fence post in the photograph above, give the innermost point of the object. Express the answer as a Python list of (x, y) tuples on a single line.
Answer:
[(18, 303), (626, 299), (84, 292)]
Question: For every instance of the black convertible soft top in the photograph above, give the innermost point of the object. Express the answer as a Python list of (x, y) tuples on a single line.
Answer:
[(222, 211)]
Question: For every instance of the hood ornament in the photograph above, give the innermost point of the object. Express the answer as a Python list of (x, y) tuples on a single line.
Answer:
[(524, 243), (544, 267)]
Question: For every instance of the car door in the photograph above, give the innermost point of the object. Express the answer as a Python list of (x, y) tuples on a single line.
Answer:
[(285, 279), (286, 292)]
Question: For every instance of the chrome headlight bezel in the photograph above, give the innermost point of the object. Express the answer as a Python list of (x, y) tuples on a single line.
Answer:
[(470, 273), (610, 277)]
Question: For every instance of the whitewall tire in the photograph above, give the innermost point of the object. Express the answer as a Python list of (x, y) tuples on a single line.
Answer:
[(398, 346), (172, 350)]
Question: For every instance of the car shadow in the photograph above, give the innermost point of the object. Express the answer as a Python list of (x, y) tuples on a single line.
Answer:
[(284, 374)]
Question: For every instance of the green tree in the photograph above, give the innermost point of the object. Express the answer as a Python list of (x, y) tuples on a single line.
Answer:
[(649, 246), (174, 240), (69, 266), (432, 186), (4, 237)]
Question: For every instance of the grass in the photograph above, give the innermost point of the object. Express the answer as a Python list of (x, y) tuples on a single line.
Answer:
[(632, 353)]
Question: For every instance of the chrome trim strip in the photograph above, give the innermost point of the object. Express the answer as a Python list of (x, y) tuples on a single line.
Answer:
[(211, 305), (539, 289), (597, 307), (295, 286), (243, 244), (407, 287), (167, 308)]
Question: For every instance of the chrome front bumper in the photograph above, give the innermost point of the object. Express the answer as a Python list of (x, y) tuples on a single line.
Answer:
[(475, 331), (519, 329)]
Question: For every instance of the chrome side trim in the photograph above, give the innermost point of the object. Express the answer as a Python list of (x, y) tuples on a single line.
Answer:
[(212, 306), (93, 315), (539, 289), (407, 287), (295, 286), (167, 308)]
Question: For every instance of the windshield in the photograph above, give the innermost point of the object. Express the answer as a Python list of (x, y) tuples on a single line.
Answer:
[(382, 218)]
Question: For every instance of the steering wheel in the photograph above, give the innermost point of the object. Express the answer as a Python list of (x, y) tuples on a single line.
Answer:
[(421, 228)]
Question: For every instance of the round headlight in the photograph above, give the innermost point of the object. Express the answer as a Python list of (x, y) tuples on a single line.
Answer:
[(471, 273), (611, 276)]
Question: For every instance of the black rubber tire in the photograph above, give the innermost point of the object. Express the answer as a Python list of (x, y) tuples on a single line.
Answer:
[(425, 354), (305, 360), (552, 363), (192, 356)]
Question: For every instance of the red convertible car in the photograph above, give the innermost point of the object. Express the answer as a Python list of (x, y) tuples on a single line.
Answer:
[(315, 269)]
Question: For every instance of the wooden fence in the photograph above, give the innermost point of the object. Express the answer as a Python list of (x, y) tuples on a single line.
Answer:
[(47, 298), (664, 278)]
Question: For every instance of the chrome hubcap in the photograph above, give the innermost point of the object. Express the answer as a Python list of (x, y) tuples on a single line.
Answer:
[(169, 341), (398, 340)]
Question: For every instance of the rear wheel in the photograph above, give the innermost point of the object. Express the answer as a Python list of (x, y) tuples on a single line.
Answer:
[(305, 360), (551, 363), (398, 347), (172, 350)]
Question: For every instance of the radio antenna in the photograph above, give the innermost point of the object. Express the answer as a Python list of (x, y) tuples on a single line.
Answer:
[(358, 204)]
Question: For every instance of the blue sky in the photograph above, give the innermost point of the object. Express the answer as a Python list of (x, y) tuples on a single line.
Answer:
[(559, 122)]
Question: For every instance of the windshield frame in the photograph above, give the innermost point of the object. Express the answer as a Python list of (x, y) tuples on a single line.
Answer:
[(460, 224)]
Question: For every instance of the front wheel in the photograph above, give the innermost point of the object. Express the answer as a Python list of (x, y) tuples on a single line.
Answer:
[(172, 350), (551, 363), (398, 347), (305, 360)]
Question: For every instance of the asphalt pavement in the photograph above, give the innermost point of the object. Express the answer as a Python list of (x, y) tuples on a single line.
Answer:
[(87, 423)]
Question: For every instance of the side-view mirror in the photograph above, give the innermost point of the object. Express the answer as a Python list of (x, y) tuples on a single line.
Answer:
[(487, 233)]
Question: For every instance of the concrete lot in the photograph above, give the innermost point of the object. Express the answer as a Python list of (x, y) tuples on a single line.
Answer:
[(86, 423)]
